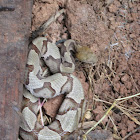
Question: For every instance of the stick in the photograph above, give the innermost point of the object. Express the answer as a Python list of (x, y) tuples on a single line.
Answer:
[(44, 26)]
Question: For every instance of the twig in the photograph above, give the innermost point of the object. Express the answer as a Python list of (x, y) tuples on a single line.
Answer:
[(128, 97), (129, 115), (41, 115), (43, 102), (112, 106), (135, 130), (99, 100), (115, 127), (84, 136), (44, 26)]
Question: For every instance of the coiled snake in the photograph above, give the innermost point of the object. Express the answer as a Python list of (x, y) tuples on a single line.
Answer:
[(41, 84)]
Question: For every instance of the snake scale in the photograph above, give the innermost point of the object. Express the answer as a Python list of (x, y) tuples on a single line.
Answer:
[(48, 82)]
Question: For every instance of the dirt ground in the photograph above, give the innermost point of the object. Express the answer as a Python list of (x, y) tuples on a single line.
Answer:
[(111, 29)]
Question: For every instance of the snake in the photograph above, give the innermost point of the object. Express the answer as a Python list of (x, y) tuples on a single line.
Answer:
[(48, 74)]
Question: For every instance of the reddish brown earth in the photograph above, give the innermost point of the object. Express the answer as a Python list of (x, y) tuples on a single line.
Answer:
[(111, 29)]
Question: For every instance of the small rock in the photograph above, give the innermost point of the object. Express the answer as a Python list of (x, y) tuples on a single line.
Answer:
[(125, 78), (88, 115)]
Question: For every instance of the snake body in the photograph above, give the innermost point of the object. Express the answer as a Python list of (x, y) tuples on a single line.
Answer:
[(41, 84)]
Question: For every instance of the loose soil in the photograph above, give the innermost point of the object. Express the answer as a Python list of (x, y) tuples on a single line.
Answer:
[(111, 29)]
